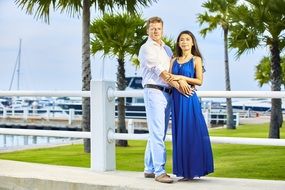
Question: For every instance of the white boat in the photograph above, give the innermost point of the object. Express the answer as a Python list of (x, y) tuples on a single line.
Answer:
[(133, 84), (67, 103), (255, 104), (5, 102)]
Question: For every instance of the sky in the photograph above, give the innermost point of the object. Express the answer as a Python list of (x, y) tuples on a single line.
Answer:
[(51, 53)]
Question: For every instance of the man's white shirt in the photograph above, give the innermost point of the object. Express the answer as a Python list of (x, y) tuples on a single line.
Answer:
[(154, 59)]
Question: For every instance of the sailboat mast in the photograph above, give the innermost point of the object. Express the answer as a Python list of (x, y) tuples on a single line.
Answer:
[(19, 64), (17, 67)]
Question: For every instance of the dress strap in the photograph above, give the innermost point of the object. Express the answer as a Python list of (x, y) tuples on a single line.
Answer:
[(172, 63)]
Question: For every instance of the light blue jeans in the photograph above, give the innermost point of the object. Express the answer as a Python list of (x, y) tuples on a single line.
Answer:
[(158, 106)]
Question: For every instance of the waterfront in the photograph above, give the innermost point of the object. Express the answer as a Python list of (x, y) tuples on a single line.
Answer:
[(53, 118), (15, 142)]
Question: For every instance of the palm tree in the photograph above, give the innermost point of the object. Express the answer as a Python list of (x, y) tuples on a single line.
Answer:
[(218, 16), (75, 7), (263, 70), (118, 35), (262, 23)]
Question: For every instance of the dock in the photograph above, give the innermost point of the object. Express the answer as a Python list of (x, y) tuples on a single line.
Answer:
[(60, 123), (37, 122)]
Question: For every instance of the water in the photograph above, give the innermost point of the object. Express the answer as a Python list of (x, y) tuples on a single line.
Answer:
[(15, 142)]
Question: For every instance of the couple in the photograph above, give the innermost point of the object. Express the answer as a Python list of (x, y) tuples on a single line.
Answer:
[(167, 87)]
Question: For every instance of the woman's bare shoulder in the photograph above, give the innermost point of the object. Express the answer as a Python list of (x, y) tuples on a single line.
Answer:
[(197, 58)]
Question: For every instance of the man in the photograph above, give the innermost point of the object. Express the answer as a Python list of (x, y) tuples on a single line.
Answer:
[(154, 57)]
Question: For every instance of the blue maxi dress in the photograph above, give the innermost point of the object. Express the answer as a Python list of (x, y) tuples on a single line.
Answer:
[(192, 152)]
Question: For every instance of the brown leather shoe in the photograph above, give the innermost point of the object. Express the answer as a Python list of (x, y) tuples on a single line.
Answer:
[(149, 175), (164, 178)]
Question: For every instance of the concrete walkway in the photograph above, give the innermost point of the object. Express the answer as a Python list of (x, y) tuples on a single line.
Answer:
[(27, 176)]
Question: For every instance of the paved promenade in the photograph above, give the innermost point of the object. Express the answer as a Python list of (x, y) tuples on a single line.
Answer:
[(27, 176)]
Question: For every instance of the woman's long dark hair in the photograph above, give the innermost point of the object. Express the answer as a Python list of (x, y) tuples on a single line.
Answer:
[(194, 50)]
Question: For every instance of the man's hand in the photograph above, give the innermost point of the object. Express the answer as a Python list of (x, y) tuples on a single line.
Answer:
[(173, 77), (165, 76)]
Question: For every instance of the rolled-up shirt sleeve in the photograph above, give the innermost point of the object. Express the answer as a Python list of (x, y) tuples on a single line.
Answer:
[(149, 59)]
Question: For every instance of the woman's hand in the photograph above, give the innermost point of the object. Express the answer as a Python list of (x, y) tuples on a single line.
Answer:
[(185, 88)]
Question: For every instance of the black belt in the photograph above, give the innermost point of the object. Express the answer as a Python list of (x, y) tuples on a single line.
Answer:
[(162, 88)]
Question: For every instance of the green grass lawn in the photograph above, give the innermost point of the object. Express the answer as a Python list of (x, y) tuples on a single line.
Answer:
[(254, 131), (240, 161)]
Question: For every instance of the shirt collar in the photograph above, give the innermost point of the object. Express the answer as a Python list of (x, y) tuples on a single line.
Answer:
[(149, 40)]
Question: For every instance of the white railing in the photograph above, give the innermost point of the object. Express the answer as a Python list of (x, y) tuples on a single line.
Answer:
[(70, 115), (50, 113), (44, 113), (102, 135)]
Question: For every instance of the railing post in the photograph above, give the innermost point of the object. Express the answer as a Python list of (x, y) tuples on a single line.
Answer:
[(70, 116), (131, 127), (48, 114), (13, 111), (102, 121), (4, 112), (26, 114), (237, 119), (248, 113), (206, 116)]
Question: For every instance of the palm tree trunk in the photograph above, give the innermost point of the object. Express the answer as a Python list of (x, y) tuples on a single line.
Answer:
[(230, 117), (86, 71), (121, 83), (276, 119)]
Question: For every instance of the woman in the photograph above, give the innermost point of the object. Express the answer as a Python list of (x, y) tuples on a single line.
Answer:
[(192, 152)]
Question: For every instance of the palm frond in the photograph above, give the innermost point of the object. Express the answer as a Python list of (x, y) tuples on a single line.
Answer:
[(123, 33), (216, 14), (262, 71), (71, 7), (256, 23), (244, 39), (40, 9)]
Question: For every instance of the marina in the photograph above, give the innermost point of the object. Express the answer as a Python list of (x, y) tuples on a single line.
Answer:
[(64, 113), (60, 113), (57, 118)]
